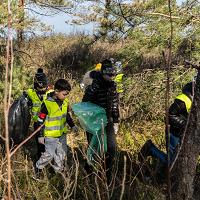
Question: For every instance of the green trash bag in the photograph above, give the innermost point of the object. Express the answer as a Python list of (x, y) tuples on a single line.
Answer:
[(93, 119)]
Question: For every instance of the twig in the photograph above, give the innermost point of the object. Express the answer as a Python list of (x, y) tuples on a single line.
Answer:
[(11, 69), (6, 103), (73, 190), (54, 7), (168, 65), (26, 140), (124, 179), (42, 14), (3, 138), (97, 186), (190, 64)]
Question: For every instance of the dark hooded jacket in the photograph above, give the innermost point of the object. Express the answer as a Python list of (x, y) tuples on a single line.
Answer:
[(178, 113), (104, 94)]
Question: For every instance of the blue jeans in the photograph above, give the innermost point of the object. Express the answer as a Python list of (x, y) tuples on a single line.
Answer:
[(160, 155)]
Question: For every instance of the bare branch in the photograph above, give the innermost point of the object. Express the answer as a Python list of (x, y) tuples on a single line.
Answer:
[(168, 63), (42, 14), (26, 140), (124, 179), (9, 58)]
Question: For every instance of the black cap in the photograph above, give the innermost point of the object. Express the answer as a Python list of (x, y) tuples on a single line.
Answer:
[(40, 79), (188, 89)]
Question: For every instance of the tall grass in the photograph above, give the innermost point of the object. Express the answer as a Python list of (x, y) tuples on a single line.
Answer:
[(142, 117), (142, 109)]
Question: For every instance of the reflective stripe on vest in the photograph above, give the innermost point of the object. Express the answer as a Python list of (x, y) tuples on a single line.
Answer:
[(119, 81), (35, 101), (51, 119), (55, 122), (186, 100)]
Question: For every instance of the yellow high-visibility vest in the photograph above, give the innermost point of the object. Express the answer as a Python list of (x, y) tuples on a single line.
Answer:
[(119, 81), (186, 100), (36, 103), (55, 122)]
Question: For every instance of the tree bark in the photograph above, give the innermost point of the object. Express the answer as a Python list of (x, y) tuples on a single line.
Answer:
[(185, 167), (20, 30)]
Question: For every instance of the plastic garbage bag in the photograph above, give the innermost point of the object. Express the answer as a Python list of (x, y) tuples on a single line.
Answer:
[(91, 116), (93, 119), (19, 119)]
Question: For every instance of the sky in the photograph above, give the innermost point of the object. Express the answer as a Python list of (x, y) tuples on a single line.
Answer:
[(59, 25), (57, 22)]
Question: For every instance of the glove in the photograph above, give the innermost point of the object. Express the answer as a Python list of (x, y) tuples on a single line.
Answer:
[(82, 85), (41, 140), (35, 118), (75, 129), (116, 128)]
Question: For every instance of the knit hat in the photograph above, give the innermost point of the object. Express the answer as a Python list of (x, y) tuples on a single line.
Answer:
[(107, 68), (40, 79), (188, 89)]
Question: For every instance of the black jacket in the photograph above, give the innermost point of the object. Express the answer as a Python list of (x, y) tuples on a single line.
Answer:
[(104, 94), (178, 113)]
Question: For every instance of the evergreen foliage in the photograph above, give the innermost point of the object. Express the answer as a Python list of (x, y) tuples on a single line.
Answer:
[(135, 32)]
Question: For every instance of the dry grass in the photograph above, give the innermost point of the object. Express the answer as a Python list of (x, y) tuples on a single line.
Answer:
[(143, 112)]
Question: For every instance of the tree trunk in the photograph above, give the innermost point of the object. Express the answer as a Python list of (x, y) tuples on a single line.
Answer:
[(185, 167), (20, 31)]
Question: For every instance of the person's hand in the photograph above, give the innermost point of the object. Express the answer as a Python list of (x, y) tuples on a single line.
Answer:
[(116, 128), (75, 129), (41, 140), (35, 118)]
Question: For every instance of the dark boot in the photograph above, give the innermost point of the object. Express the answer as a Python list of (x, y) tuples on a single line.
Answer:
[(145, 151), (88, 168), (38, 174), (161, 173)]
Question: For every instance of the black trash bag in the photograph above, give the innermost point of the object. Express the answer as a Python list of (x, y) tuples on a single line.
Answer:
[(19, 118)]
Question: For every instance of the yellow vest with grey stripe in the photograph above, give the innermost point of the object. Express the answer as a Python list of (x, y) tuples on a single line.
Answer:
[(36, 103), (55, 122), (119, 81), (186, 100)]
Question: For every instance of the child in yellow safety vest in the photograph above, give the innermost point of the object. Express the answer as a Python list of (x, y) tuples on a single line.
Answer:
[(54, 114), (36, 95)]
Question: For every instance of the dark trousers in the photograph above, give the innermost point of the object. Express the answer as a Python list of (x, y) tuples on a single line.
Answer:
[(111, 148), (163, 157)]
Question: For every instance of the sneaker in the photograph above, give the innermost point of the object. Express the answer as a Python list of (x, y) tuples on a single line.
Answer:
[(145, 151)]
